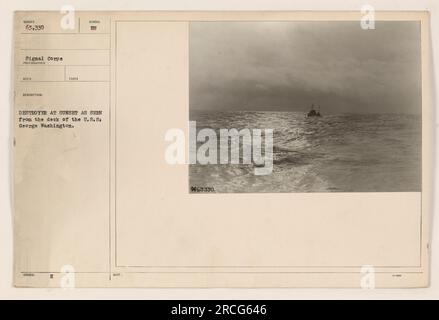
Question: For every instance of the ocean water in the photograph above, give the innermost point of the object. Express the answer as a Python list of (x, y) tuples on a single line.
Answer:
[(332, 153)]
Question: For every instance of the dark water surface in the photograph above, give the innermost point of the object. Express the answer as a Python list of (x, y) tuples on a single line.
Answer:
[(333, 153)]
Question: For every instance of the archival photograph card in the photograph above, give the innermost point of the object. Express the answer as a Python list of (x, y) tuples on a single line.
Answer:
[(222, 149)]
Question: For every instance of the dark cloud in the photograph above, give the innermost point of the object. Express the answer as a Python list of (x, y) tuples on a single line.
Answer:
[(289, 65)]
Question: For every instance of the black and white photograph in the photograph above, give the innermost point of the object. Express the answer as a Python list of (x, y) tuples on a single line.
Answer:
[(219, 158), (343, 103)]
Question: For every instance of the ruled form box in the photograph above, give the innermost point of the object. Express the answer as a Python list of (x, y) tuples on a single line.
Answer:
[(87, 73), (41, 73)]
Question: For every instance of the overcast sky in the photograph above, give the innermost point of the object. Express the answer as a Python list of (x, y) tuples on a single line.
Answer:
[(290, 65)]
